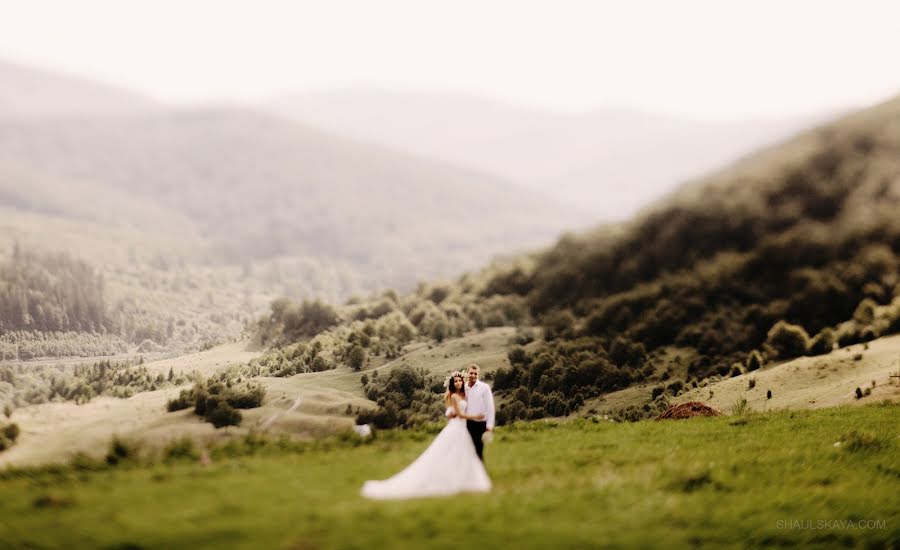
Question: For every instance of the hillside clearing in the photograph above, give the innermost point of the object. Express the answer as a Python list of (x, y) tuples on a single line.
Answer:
[(812, 382)]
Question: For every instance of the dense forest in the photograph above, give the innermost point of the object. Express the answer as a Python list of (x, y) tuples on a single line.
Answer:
[(52, 293)]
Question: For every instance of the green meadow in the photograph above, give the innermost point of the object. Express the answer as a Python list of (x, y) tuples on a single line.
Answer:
[(827, 477)]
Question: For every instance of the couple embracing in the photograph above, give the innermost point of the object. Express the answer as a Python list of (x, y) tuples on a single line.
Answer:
[(453, 463)]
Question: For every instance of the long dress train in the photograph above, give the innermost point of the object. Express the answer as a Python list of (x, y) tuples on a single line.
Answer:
[(448, 466)]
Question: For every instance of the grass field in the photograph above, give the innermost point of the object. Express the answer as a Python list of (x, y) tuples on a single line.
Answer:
[(776, 479)]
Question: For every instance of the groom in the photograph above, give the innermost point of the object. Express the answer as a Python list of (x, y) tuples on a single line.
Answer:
[(480, 402)]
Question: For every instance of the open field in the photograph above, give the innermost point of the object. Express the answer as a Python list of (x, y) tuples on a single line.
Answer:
[(759, 480)]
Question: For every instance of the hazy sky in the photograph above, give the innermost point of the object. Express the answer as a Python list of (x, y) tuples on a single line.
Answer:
[(696, 58)]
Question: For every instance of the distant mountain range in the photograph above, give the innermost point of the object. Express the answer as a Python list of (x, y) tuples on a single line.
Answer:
[(31, 93), (609, 162), (256, 186)]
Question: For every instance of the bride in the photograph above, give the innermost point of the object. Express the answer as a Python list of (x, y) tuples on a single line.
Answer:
[(448, 466)]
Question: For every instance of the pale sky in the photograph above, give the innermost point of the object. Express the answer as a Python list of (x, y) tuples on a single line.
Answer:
[(709, 59)]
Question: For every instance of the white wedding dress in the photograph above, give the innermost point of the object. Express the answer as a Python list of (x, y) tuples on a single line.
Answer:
[(448, 466)]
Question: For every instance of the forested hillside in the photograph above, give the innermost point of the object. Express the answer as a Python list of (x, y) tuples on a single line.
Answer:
[(788, 253), (801, 240), (51, 293)]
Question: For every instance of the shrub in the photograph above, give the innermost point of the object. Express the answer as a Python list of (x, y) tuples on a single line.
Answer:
[(523, 337), (626, 352), (11, 432), (319, 364), (248, 397), (120, 451), (675, 387), (439, 293), (754, 360), (739, 407), (788, 340), (558, 324), (224, 415), (555, 406), (576, 402), (184, 400), (356, 357), (405, 396), (893, 318), (751, 384), (216, 403), (383, 418), (865, 311), (823, 342), (517, 356), (868, 334)]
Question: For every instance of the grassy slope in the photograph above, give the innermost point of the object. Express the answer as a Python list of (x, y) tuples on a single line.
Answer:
[(803, 383), (54, 431), (813, 382), (715, 483)]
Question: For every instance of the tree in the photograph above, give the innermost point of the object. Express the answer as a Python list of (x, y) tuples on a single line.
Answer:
[(788, 340), (822, 343), (754, 360)]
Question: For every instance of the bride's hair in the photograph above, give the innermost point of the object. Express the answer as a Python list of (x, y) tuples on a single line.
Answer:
[(451, 387)]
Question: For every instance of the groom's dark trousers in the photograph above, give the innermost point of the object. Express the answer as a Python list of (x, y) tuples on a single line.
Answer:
[(476, 430)]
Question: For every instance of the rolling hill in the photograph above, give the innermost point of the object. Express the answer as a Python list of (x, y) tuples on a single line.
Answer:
[(34, 93), (258, 187), (788, 253), (769, 269), (198, 218)]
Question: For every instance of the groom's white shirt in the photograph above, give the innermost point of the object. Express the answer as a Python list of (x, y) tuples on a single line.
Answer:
[(480, 401)]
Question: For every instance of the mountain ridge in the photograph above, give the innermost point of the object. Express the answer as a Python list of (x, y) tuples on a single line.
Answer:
[(30, 92), (595, 160)]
